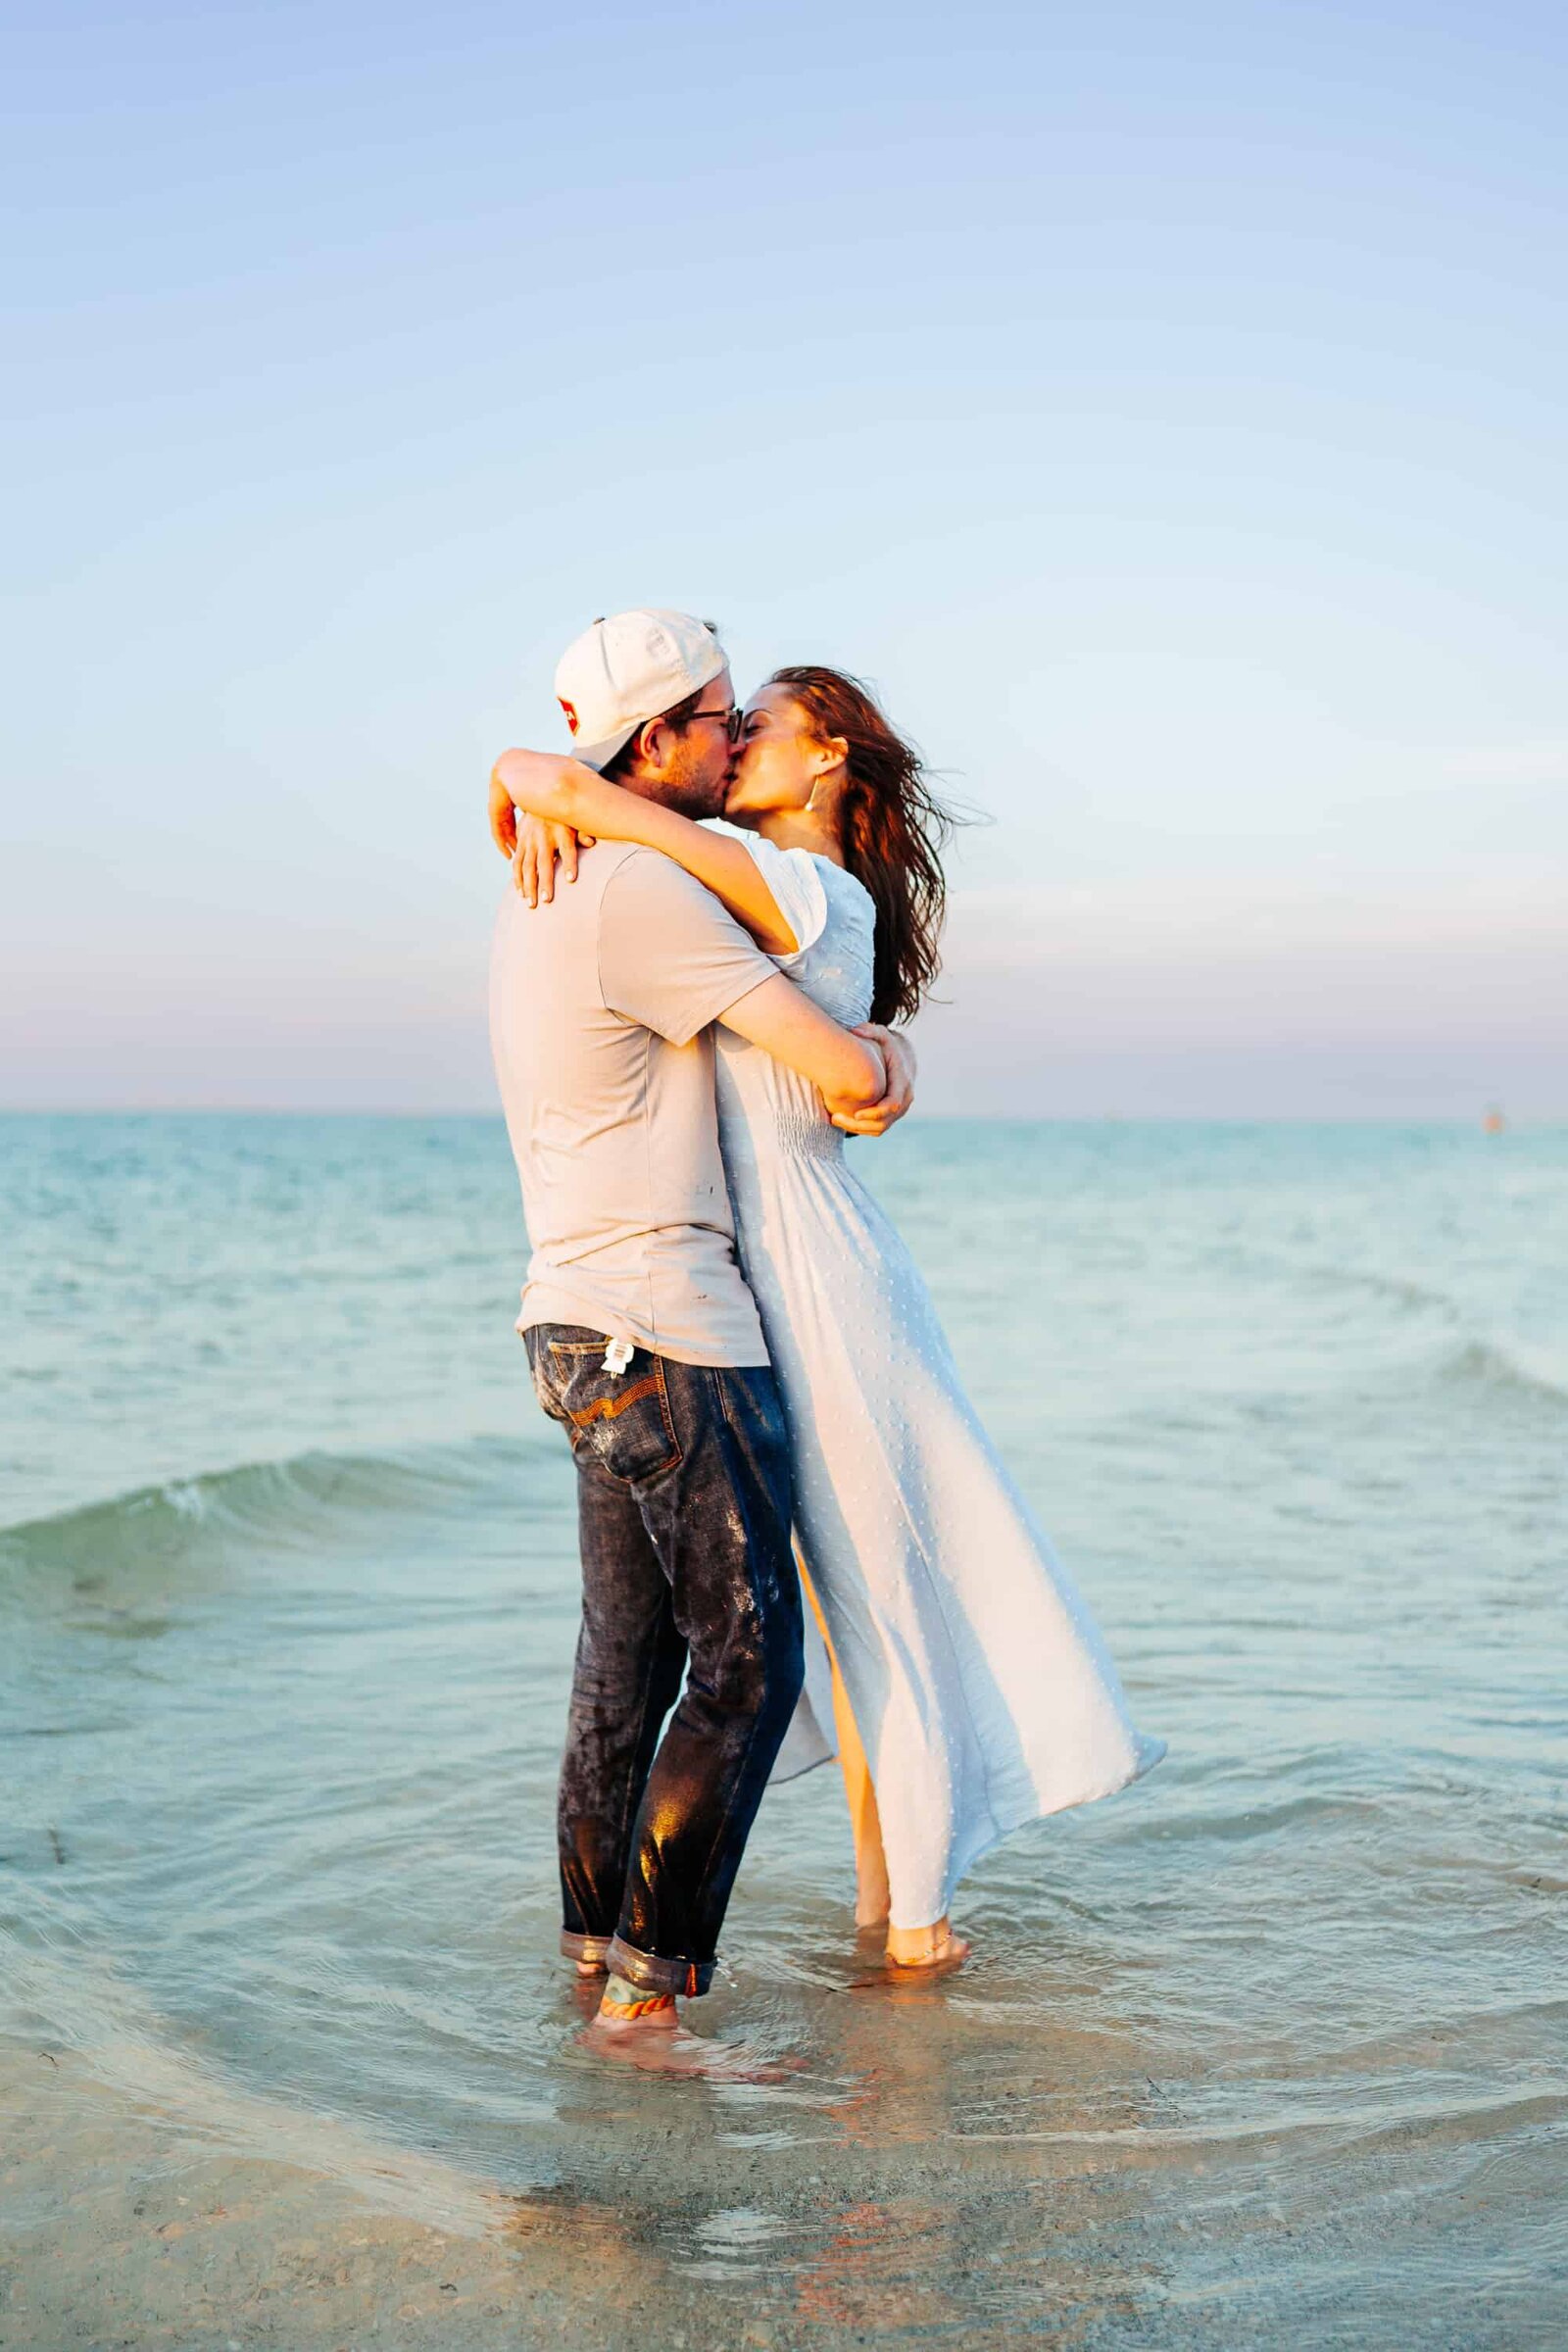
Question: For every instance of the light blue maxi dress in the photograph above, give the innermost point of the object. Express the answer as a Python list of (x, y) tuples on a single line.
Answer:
[(982, 1689)]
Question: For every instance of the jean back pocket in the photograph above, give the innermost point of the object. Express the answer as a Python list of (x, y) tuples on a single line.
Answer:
[(622, 1420)]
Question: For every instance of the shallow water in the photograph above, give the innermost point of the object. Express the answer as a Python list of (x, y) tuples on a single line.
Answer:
[(1275, 2044)]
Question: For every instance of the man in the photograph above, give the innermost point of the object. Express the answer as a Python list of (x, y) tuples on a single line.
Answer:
[(643, 1339)]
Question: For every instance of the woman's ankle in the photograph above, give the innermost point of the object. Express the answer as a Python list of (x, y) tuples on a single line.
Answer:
[(916, 1947)]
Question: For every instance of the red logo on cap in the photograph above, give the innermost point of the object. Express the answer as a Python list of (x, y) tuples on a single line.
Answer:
[(571, 715)]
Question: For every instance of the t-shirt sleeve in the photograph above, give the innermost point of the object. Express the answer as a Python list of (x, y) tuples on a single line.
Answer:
[(796, 882), (670, 954)]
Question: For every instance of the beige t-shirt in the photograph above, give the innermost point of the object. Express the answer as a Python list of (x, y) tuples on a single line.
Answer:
[(599, 1011)]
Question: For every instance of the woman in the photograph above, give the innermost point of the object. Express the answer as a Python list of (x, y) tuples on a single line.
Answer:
[(972, 1688)]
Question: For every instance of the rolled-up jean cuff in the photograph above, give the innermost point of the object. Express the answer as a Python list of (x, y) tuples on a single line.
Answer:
[(650, 1974), (584, 1947)]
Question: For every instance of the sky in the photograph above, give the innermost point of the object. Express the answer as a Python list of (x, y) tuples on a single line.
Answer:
[(1165, 408)]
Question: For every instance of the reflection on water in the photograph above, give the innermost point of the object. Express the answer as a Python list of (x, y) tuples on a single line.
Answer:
[(1271, 2046)]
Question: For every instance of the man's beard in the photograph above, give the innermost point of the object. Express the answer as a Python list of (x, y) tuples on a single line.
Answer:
[(691, 795), (692, 802)]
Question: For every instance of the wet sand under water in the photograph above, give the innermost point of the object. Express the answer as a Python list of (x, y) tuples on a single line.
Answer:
[(1270, 2049), (1080, 2210)]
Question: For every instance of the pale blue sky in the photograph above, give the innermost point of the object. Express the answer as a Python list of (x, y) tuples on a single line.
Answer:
[(1166, 408)]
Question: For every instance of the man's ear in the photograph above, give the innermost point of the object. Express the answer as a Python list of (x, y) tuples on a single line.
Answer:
[(652, 740)]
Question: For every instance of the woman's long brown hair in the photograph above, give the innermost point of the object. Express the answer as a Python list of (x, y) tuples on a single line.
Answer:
[(893, 828)]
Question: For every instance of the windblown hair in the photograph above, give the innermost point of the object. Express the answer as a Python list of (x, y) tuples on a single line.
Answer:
[(893, 828)]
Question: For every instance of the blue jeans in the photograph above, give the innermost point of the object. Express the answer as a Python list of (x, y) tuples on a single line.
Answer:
[(683, 1517)]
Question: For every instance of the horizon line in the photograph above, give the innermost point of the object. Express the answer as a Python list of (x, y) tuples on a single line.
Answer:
[(1535, 1120)]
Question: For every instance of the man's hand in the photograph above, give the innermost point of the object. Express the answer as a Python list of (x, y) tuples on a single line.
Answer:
[(898, 1054), (539, 844)]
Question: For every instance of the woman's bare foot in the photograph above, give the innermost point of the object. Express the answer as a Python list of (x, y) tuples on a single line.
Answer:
[(926, 1951)]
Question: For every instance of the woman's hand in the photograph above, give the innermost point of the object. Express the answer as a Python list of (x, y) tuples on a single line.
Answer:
[(538, 787), (539, 846)]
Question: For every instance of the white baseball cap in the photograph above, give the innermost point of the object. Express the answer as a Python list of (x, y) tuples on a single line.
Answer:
[(630, 669)]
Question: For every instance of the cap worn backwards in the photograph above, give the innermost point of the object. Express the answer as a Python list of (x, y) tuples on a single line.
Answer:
[(627, 669)]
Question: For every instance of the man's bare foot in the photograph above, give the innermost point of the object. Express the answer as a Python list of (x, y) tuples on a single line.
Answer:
[(586, 1992), (587, 1953), (661, 2045)]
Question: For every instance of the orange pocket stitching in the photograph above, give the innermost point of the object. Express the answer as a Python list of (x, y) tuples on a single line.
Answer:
[(606, 1408)]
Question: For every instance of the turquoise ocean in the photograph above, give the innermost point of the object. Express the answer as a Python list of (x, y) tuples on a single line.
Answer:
[(1272, 2047)]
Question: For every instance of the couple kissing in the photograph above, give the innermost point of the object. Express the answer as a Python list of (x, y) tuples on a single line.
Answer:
[(795, 1536)]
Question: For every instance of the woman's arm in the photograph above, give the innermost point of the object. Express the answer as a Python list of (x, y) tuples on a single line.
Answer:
[(565, 793)]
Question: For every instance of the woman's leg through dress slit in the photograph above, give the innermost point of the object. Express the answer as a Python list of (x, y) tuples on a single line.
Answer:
[(905, 1947)]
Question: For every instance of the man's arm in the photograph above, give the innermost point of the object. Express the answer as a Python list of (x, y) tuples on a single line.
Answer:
[(671, 958), (848, 1070)]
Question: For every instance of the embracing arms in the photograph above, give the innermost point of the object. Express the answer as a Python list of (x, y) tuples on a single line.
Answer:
[(849, 1072), (572, 806), (565, 794)]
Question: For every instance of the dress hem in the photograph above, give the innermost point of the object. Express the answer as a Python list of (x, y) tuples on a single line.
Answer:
[(1149, 1754)]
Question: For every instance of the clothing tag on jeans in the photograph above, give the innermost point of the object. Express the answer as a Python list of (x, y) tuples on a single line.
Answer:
[(618, 1355)]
